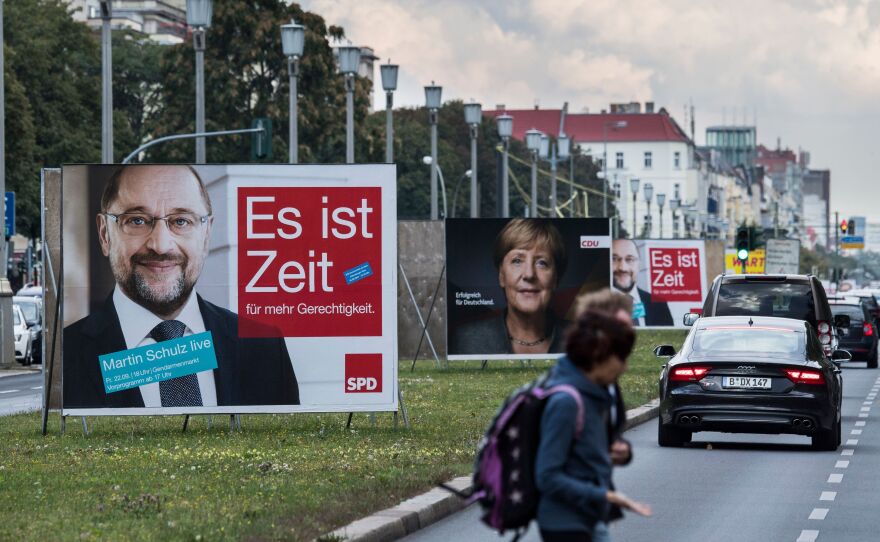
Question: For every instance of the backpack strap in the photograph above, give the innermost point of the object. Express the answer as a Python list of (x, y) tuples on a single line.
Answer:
[(543, 393)]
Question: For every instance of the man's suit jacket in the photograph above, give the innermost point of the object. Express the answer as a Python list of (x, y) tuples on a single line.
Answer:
[(249, 371), (656, 312)]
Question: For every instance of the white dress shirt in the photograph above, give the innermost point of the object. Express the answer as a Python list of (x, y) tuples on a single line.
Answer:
[(137, 322)]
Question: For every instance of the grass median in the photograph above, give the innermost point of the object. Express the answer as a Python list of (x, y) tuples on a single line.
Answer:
[(283, 477)]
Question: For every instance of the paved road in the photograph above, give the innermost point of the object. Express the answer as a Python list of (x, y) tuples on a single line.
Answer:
[(734, 488), (21, 393)]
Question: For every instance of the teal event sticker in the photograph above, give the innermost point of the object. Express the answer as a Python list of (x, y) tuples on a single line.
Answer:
[(156, 362), (638, 310)]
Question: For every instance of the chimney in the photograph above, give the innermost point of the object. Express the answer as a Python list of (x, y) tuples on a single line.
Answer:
[(500, 107), (649, 107)]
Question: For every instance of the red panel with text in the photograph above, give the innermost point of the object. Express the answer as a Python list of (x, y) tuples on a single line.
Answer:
[(363, 373), (310, 262), (675, 274)]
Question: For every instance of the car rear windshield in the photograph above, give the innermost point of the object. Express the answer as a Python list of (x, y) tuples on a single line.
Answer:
[(723, 340), (781, 299), (29, 310), (853, 311)]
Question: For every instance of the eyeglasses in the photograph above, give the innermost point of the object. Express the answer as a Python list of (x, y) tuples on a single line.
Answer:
[(139, 225)]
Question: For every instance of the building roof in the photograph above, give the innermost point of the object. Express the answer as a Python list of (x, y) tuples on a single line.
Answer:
[(588, 127)]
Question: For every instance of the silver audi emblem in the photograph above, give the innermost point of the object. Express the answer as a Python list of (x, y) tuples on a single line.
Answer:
[(748, 368)]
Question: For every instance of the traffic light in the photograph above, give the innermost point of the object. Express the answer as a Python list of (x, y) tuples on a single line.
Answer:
[(743, 244), (851, 227), (844, 225), (261, 142)]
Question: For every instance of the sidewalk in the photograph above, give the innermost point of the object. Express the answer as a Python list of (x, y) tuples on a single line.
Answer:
[(422, 510), (19, 371)]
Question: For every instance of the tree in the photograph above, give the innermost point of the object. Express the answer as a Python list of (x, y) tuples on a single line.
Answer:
[(246, 77)]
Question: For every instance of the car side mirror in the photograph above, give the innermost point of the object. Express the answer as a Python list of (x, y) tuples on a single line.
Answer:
[(690, 318), (841, 320), (664, 351), (840, 355)]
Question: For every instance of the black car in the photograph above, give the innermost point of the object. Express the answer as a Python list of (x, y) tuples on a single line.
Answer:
[(750, 374), (32, 307), (860, 338), (784, 296)]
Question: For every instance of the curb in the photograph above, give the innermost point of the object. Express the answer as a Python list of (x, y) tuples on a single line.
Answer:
[(16, 372), (422, 510)]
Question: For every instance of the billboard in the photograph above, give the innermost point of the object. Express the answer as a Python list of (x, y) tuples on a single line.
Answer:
[(665, 278), (228, 289), (755, 265), (511, 283), (783, 256)]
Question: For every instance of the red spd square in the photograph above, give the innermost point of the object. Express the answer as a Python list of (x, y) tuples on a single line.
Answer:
[(363, 373)]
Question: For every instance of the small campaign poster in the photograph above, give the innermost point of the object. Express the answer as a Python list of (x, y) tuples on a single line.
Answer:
[(228, 289), (512, 282), (666, 278), (755, 265)]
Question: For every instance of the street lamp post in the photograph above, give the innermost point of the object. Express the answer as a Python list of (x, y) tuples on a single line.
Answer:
[(106, 83), (634, 190), (661, 199), (560, 152), (389, 83), (293, 37), (674, 204), (615, 124), (649, 193), (535, 141), (198, 16), (428, 161), (7, 346), (349, 59), (433, 100), (473, 116), (505, 131)]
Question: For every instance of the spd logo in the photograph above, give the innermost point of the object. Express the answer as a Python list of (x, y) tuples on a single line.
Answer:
[(363, 373)]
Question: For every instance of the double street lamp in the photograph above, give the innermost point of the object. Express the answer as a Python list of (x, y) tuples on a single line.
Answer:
[(533, 143), (106, 83), (559, 151), (433, 94), (674, 204), (349, 60), (634, 190), (614, 124), (661, 199), (505, 131), (649, 193), (198, 16), (389, 83), (293, 37), (473, 116)]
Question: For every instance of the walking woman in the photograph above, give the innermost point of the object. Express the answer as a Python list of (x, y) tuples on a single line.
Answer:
[(573, 474)]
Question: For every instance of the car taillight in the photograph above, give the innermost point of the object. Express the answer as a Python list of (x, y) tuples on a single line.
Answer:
[(824, 327), (867, 330), (799, 376), (688, 374)]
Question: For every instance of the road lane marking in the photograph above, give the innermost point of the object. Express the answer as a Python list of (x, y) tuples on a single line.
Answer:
[(835, 478), (808, 535), (37, 388), (852, 442), (867, 403), (841, 464), (863, 414), (828, 496), (866, 409), (847, 451), (860, 424), (856, 432), (9, 391), (818, 513)]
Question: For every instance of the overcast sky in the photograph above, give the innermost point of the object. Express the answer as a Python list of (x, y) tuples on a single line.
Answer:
[(806, 69)]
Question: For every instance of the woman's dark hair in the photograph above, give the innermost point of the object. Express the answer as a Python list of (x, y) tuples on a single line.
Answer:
[(596, 336)]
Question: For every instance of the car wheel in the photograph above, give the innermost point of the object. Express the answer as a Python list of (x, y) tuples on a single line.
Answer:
[(670, 436), (827, 440), (872, 361)]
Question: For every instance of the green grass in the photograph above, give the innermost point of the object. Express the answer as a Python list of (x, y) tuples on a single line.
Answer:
[(283, 477)]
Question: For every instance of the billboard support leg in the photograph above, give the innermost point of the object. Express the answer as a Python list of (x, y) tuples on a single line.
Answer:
[(185, 423), (47, 384), (348, 423), (85, 426), (402, 410), (485, 363), (63, 424), (422, 321)]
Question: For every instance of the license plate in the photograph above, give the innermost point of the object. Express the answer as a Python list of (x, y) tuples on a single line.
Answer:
[(745, 382)]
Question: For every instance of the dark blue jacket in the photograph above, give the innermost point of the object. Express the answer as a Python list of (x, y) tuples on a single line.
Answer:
[(573, 476)]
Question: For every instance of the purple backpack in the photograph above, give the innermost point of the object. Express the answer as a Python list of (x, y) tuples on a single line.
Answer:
[(504, 473)]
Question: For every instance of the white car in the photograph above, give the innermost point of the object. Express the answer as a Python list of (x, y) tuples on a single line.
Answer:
[(22, 336)]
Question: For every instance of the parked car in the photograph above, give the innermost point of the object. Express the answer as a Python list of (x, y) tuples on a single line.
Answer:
[(32, 308), (21, 335), (751, 374), (860, 338), (801, 297), (31, 291)]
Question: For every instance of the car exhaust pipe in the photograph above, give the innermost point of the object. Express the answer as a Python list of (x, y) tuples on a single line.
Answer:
[(796, 422), (807, 424)]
